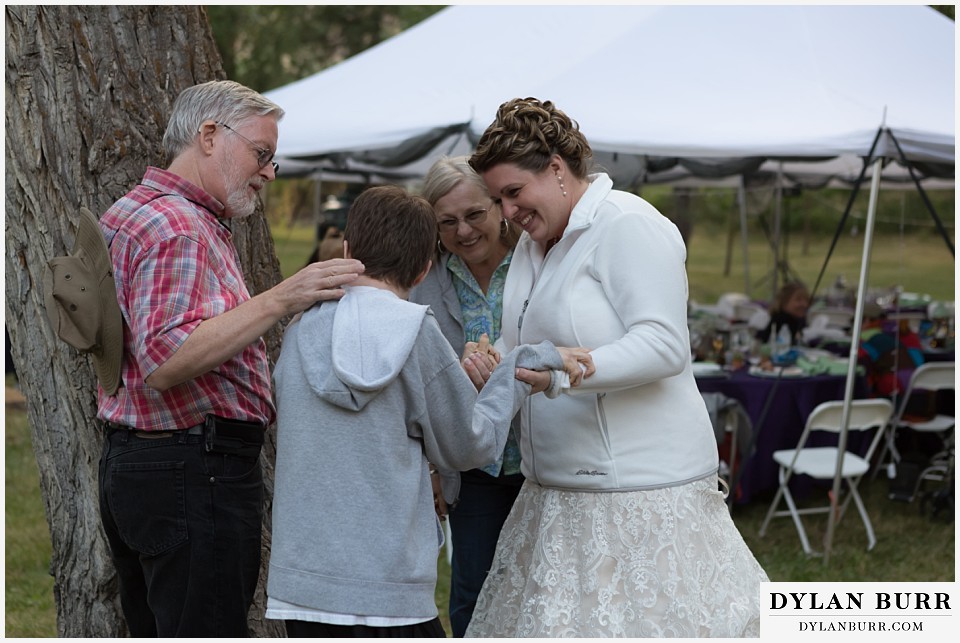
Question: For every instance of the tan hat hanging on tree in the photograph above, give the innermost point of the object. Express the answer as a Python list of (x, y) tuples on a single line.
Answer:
[(81, 301)]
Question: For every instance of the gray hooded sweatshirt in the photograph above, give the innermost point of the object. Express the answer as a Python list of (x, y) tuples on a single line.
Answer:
[(368, 391)]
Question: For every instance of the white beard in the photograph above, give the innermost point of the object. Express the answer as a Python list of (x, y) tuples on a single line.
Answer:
[(239, 203)]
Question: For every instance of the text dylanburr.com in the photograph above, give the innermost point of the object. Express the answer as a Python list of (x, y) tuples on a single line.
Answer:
[(801, 610)]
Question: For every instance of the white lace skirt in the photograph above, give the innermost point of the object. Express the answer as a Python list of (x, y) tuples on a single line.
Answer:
[(661, 563)]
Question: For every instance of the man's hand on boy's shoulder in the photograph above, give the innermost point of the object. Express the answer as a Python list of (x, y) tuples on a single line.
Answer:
[(319, 281)]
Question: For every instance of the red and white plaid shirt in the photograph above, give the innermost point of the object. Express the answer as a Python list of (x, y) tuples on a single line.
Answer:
[(175, 266)]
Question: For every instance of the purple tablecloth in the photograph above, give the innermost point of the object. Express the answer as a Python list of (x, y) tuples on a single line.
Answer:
[(793, 400)]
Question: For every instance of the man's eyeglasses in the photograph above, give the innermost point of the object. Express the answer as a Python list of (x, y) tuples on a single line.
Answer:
[(475, 218), (264, 156)]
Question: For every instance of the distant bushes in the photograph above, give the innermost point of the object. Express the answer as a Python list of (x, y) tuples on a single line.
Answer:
[(813, 211)]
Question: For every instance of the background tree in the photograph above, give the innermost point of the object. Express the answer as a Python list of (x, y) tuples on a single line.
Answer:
[(948, 10), (266, 46), (88, 93)]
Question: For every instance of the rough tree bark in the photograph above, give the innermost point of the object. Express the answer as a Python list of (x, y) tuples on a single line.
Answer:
[(88, 93)]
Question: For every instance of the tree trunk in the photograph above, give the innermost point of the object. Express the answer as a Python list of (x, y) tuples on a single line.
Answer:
[(88, 93)]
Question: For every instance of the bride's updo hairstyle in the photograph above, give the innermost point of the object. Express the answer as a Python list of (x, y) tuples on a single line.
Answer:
[(527, 132)]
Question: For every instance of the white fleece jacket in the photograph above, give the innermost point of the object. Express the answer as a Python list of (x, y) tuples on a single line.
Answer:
[(615, 283)]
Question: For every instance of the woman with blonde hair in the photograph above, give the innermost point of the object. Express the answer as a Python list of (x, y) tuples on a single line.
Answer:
[(620, 528)]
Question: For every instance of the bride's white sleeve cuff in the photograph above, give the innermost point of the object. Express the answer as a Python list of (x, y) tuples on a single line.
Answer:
[(559, 380)]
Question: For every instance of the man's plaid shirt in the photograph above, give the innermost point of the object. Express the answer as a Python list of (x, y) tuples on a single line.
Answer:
[(175, 266)]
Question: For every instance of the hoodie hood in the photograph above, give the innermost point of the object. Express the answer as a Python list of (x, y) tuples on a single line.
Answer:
[(371, 331)]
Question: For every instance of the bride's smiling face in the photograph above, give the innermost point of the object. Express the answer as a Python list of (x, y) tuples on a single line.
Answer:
[(535, 201)]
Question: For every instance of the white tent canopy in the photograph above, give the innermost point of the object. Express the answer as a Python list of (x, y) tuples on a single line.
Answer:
[(711, 90)]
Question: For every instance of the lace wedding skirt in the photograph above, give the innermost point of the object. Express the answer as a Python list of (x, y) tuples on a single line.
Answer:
[(659, 563)]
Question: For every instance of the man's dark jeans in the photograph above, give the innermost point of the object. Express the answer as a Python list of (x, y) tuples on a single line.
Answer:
[(184, 530)]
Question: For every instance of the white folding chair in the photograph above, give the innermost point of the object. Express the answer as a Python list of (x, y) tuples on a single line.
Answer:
[(929, 378), (821, 462)]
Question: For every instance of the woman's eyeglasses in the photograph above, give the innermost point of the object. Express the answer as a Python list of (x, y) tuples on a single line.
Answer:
[(475, 218)]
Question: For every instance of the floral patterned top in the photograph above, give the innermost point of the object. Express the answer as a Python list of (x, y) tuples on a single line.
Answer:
[(481, 314)]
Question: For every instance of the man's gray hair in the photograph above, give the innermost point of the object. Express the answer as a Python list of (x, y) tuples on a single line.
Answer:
[(224, 101)]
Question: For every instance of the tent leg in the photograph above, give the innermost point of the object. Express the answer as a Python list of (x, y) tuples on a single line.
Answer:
[(854, 348)]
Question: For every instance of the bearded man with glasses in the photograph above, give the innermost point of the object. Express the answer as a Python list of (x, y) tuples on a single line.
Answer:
[(181, 492)]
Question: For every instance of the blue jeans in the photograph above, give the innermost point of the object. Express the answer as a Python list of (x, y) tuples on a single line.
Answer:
[(184, 529), (475, 524)]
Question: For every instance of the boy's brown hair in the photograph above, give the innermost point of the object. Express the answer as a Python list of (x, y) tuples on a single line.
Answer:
[(392, 233)]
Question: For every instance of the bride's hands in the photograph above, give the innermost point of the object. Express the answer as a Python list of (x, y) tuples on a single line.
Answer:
[(577, 363), (572, 360)]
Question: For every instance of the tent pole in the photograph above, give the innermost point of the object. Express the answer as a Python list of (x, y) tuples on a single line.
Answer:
[(846, 212), (777, 213), (923, 194), (742, 193), (854, 349)]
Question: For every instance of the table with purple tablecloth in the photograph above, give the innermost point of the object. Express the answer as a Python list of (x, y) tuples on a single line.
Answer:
[(793, 398)]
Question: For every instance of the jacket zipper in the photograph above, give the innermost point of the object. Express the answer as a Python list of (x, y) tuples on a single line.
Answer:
[(523, 311), (527, 405)]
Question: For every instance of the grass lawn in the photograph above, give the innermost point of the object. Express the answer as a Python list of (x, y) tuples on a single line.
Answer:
[(921, 264), (911, 546), (28, 585)]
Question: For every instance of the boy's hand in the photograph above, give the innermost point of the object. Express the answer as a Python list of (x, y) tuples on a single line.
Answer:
[(539, 381), (439, 504)]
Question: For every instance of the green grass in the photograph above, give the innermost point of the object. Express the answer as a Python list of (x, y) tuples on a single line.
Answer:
[(442, 593), (28, 585), (916, 263), (294, 244), (911, 546)]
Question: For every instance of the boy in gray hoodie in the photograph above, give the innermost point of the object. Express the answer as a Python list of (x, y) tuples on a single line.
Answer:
[(368, 392)]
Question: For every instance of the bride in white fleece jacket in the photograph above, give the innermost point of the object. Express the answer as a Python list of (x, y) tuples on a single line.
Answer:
[(620, 528)]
